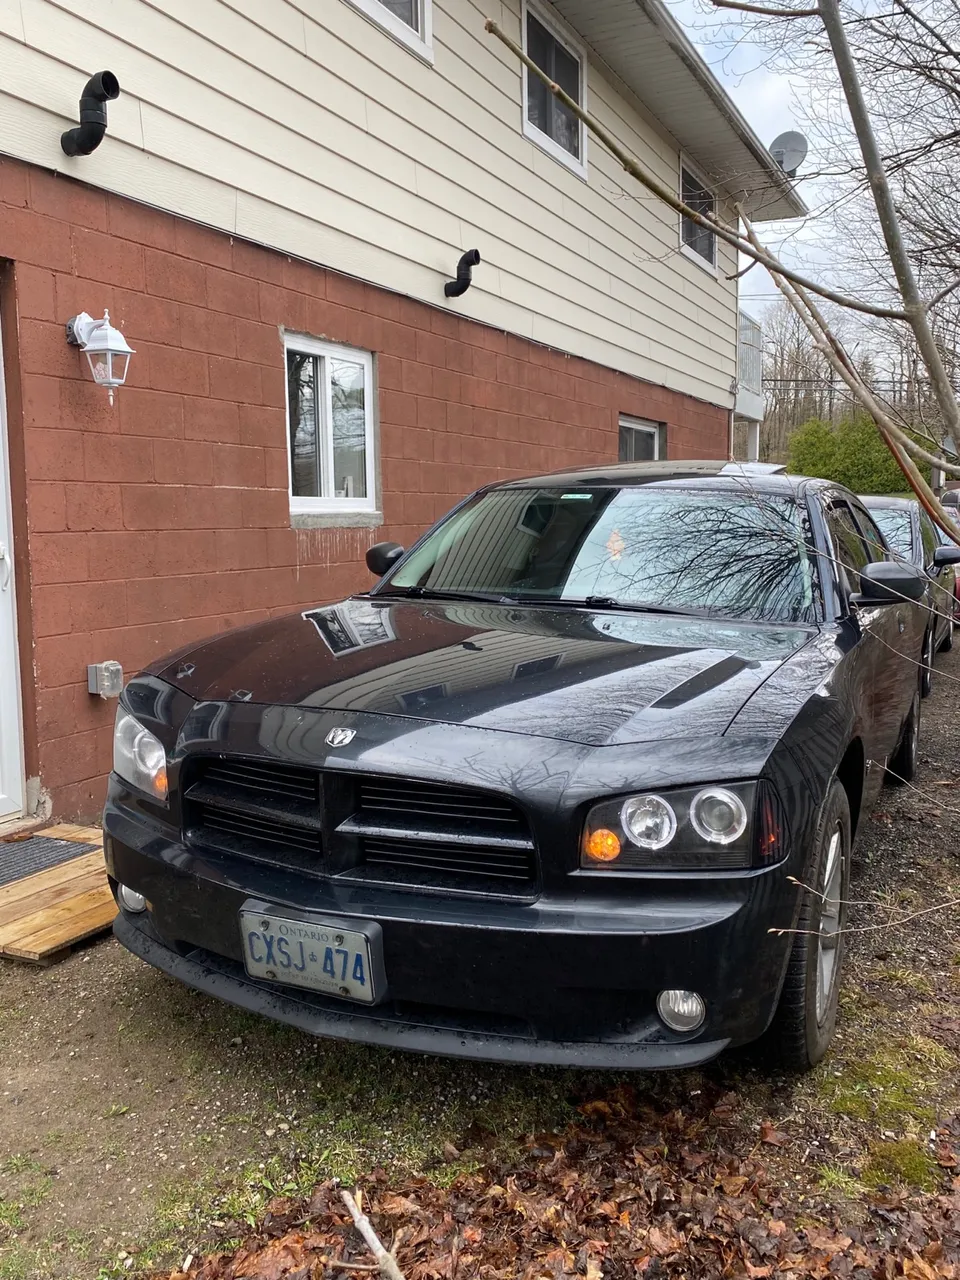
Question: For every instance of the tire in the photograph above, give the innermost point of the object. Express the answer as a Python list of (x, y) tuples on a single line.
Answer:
[(806, 1015), (946, 643), (902, 765), (926, 664)]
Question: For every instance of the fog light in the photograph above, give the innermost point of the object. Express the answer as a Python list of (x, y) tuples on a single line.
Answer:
[(130, 900), (681, 1010)]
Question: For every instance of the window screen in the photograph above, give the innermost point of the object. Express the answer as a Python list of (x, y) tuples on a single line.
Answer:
[(696, 196), (544, 111)]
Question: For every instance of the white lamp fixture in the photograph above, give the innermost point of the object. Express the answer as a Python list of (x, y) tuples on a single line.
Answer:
[(105, 347)]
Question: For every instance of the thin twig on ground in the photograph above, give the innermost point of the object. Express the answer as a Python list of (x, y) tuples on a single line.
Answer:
[(386, 1262)]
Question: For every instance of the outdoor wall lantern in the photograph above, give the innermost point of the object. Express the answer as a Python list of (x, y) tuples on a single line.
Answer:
[(105, 347)]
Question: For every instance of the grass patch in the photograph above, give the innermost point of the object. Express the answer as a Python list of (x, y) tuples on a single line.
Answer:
[(11, 1219), (833, 1177), (908, 978), (900, 1164), (889, 1086)]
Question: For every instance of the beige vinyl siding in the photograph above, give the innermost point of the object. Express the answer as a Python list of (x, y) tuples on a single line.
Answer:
[(299, 124)]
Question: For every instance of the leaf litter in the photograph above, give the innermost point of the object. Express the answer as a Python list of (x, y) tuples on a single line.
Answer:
[(626, 1190)]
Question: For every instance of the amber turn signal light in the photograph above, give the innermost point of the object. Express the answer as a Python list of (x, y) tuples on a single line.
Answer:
[(602, 846)]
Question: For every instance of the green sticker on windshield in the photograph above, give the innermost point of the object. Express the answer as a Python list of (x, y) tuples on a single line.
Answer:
[(577, 497)]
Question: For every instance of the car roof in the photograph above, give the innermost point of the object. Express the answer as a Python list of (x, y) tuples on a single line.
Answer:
[(894, 504), (768, 477)]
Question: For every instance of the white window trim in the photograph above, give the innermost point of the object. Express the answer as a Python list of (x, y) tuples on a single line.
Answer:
[(420, 43), (648, 427), (331, 506), (566, 37), (711, 268)]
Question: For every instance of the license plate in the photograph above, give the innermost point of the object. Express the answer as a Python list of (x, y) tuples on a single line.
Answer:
[(313, 952)]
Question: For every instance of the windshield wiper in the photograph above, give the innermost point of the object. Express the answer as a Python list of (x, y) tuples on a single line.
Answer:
[(426, 593), (609, 602)]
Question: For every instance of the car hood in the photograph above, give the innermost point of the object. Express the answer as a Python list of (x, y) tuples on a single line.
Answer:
[(596, 678)]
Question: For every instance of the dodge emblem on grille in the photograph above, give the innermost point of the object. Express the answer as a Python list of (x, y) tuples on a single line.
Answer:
[(340, 737)]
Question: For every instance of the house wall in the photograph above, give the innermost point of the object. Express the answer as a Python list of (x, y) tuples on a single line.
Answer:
[(166, 517), (301, 125)]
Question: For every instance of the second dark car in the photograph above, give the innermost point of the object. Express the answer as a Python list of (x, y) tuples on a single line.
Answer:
[(911, 535), (576, 782)]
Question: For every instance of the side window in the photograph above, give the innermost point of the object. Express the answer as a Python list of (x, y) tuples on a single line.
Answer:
[(642, 441), (696, 241), (331, 435), (929, 538), (546, 120), (848, 545), (876, 547)]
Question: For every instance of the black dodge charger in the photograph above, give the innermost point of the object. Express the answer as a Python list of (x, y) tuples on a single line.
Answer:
[(576, 782)]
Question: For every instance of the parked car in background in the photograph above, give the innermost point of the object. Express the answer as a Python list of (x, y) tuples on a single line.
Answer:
[(910, 533), (575, 783)]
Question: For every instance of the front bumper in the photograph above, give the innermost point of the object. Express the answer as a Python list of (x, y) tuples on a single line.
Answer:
[(227, 981), (570, 979)]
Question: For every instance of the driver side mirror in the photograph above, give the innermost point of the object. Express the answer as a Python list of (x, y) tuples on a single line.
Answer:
[(890, 582), (949, 553), (382, 557)]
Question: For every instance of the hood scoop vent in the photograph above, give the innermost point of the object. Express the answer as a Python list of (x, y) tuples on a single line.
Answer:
[(703, 682)]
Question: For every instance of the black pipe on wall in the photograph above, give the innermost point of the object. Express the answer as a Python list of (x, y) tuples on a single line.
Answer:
[(97, 92), (454, 288)]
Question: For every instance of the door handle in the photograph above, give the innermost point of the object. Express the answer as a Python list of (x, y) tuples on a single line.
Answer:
[(6, 568)]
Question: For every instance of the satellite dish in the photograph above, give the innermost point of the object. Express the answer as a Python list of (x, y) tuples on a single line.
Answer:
[(789, 150)]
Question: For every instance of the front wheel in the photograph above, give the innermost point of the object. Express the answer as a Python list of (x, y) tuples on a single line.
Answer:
[(806, 1016)]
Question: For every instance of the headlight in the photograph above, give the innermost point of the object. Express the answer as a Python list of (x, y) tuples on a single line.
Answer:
[(698, 828), (718, 815), (139, 757), (648, 821)]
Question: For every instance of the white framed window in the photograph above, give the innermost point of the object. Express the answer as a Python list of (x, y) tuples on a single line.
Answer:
[(409, 21), (641, 440), (546, 121), (696, 242), (331, 435)]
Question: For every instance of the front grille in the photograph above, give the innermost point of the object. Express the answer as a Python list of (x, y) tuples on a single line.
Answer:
[(417, 802), (262, 778), (453, 837), (265, 831), (392, 830), (261, 810), (454, 859)]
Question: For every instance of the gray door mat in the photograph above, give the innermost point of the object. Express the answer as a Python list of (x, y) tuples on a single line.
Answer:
[(22, 858)]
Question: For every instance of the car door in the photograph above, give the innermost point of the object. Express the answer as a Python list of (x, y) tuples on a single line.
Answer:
[(875, 661), (941, 578), (899, 629)]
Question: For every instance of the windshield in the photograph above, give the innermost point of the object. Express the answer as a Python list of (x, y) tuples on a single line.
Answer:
[(743, 555), (896, 528)]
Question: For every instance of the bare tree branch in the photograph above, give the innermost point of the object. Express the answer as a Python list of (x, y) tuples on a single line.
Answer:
[(768, 12)]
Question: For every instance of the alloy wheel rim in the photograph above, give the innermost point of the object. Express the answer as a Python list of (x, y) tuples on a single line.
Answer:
[(828, 942)]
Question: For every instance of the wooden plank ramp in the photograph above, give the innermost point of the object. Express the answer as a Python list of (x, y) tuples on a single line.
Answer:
[(43, 915)]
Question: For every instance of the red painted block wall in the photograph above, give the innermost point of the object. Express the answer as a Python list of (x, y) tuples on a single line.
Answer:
[(166, 518)]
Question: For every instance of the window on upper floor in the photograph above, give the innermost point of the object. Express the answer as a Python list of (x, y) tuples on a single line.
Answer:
[(546, 121), (408, 21), (696, 241), (331, 436)]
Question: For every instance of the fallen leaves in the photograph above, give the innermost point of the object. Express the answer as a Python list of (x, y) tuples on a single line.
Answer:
[(623, 1193)]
